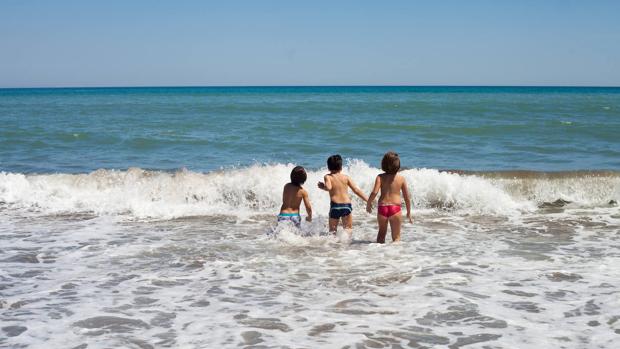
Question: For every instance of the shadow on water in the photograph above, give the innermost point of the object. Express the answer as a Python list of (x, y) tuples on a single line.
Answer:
[(362, 242)]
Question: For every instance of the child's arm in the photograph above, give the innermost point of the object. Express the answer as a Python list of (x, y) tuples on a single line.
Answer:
[(356, 190), (308, 205), (373, 194), (327, 185), (407, 200)]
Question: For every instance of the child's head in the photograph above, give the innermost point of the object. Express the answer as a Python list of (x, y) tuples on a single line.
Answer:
[(390, 163), (334, 163), (298, 176)]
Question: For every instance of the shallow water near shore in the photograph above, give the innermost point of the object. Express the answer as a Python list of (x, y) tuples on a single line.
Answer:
[(193, 283), (516, 271), (145, 218)]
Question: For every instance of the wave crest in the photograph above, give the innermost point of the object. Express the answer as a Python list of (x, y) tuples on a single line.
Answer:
[(257, 189)]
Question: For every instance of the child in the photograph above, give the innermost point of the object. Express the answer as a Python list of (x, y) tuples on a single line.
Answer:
[(337, 184), (391, 184), (292, 195)]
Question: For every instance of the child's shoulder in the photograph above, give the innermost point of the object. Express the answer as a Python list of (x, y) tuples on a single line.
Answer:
[(338, 175), (302, 192), (345, 176), (400, 178), (391, 177), (291, 186), (294, 189)]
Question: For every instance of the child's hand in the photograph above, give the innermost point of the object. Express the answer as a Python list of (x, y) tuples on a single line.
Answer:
[(369, 206), (409, 218), (308, 219), (321, 185)]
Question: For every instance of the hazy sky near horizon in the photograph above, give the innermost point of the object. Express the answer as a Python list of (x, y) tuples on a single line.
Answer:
[(157, 43)]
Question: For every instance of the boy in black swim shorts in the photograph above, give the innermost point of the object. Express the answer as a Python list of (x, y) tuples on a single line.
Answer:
[(338, 184)]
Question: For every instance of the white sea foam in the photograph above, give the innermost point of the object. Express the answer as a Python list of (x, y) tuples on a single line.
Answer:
[(217, 282), (196, 284), (257, 189)]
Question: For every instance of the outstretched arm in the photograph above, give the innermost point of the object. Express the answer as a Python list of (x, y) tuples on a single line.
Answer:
[(356, 190), (407, 200), (373, 194), (327, 184), (306, 199)]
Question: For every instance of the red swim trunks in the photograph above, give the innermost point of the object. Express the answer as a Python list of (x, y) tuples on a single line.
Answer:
[(388, 210)]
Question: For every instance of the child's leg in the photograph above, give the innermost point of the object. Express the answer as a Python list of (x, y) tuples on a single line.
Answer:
[(347, 222), (333, 225), (383, 223), (395, 223)]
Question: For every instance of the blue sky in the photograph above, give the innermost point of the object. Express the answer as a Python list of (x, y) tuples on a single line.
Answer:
[(156, 43)]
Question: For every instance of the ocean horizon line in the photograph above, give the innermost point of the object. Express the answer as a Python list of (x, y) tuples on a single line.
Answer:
[(306, 86)]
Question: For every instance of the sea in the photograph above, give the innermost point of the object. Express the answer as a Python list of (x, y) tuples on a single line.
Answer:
[(146, 218)]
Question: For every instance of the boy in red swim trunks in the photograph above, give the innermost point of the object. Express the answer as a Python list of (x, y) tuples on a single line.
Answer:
[(338, 184), (391, 184)]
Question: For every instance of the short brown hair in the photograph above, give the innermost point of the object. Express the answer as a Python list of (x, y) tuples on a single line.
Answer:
[(390, 163), (298, 176), (334, 163)]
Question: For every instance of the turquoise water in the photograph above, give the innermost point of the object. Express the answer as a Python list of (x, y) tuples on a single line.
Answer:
[(106, 241), (77, 130)]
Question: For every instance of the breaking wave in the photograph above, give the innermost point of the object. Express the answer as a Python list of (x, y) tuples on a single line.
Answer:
[(257, 190)]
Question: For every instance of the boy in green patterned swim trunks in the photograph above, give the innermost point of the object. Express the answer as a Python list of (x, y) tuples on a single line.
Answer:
[(292, 196)]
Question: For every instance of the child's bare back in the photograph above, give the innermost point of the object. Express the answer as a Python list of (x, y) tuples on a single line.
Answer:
[(338, 184), (292, 196), (391, 185)]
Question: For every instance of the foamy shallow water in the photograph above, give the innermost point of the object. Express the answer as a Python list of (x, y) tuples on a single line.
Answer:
[(138, 259), (483, 282)]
